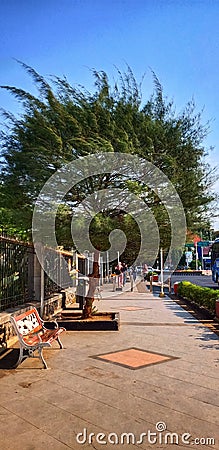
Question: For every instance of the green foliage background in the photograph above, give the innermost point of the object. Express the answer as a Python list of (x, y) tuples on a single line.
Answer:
[(203, 296), (65, 122)]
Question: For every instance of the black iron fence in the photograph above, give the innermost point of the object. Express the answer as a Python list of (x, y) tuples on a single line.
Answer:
[(20, 273), (14, 267), (60, 264)]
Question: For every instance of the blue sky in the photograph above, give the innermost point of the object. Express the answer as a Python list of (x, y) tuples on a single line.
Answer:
[(178, 39)]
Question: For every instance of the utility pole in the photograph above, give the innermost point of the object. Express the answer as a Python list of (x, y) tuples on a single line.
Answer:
[(196, 256), (161, 274)]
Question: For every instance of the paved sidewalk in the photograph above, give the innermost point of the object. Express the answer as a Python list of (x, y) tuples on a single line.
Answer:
[(160, 370)]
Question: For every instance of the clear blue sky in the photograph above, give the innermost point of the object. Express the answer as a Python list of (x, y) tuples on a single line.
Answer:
[(178, 39)]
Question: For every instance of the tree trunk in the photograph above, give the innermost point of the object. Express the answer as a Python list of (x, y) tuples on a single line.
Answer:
[(93, 283)]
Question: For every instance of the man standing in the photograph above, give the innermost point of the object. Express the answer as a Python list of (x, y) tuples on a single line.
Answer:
[(124, 269)]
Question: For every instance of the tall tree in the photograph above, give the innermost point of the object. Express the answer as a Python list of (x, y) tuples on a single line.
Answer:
[(64, 123)]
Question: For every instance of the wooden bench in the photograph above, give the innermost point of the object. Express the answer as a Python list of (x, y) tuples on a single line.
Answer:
[(33, 335)]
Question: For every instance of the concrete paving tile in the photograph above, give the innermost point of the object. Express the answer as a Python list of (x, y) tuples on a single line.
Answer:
[(175, 385), (106, 375), (161, 438), (20, 425), (129, 405), (80, 392), (153, 391), (15, 392), (164, 439), (122, 396), (99, 372), (185, 375), (96, 412), (76, 429), (132, 308), (79, 403), (171, 446), (184, 404), (89, 375), (32, 440), (206, 369), (176, 421), (122, 437), (69, 429), (126, 435), (126, 406), (36, 411), (82, 404), (208, 397), (53, 421), (69, 365), (18, 389)]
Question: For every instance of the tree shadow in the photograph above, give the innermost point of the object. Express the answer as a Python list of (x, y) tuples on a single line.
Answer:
[(208, 336), (180, 312), (209, 328)]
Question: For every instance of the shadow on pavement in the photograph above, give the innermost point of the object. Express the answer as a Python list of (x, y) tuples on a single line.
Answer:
[(201, 315), (9, 358)]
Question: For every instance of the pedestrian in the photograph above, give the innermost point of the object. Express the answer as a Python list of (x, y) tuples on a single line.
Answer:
[(124, 269), (133, 272), (119, 273)]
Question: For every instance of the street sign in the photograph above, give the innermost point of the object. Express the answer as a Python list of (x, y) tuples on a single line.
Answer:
[(203, 244)]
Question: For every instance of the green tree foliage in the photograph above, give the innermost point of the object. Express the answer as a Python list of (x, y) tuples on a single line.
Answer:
[(64, 123)]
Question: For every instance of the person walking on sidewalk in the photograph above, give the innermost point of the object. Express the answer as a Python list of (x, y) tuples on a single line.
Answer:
[(124, 269), (119, 273), (133, 275), (133, 272)]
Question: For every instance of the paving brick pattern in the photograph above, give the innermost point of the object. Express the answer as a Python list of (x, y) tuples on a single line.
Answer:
[(131, 308), (134, 358), (58, 408)]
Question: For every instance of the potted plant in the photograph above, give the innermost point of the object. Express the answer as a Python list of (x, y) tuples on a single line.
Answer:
[(154, 276)]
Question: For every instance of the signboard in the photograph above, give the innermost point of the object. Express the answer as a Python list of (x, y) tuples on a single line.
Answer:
[(203, 243)]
